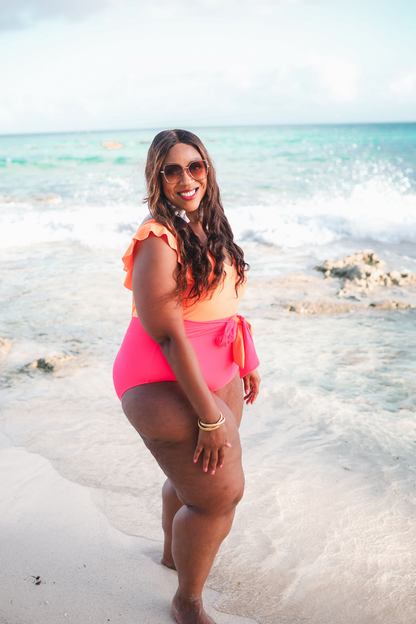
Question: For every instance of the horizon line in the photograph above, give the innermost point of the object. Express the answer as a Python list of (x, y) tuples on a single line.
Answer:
[(219, 127)]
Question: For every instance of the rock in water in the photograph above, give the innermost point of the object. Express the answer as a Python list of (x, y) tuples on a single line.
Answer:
[(110, 145), (335, 307), (363, 271), (51, 198), (320, 307), (51, 364), (5, 346), (389, 305)]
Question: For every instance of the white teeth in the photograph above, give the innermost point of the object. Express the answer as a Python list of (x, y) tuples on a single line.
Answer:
[(189, 193)]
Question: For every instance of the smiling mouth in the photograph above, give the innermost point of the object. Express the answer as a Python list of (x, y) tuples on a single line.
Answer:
[(188, 194)]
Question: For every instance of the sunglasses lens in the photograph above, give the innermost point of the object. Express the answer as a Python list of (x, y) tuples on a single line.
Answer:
[(173, 173), (198, 170)]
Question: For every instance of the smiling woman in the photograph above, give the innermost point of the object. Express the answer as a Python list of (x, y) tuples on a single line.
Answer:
[(179, 368)]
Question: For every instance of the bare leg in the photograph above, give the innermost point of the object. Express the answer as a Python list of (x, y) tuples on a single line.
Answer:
[(171, 505), (197, 535), (163, 416), (231, 394)]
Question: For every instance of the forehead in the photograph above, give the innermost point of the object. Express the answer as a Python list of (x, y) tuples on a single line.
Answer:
[(181, 154)]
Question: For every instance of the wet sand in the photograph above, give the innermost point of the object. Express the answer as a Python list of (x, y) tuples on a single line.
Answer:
[(62, 561)]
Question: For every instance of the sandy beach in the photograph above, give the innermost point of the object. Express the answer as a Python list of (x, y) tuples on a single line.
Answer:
[(62, 561)]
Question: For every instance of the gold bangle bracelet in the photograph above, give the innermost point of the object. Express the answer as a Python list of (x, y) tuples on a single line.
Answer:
[(211, 426)]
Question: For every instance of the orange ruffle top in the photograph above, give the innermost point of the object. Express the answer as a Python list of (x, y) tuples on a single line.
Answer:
[(218, 304)]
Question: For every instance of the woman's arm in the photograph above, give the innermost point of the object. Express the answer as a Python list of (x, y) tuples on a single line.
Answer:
[(161, 316)]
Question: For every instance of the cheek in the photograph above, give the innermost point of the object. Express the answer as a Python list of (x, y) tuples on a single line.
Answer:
[(167, 189)]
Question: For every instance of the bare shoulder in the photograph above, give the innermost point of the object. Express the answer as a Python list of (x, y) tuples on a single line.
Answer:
[(156, 259)]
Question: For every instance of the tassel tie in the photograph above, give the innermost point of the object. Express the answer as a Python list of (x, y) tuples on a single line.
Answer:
[(237, 331)]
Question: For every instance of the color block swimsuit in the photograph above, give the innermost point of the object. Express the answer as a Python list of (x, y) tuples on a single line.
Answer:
[(220, 337)]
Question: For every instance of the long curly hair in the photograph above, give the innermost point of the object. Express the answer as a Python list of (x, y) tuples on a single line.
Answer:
[(193, 252)]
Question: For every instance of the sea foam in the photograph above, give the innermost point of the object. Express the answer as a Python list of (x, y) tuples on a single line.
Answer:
[(367, 213)]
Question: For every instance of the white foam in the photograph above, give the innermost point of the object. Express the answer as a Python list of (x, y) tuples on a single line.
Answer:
[(369, 212), (375, 211), (108, 226)]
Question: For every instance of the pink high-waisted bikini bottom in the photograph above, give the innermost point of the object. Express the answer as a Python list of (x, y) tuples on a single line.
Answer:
[(221, 347)]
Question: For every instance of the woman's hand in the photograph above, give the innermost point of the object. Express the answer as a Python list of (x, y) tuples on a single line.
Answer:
[(211, 444), (251, 386)]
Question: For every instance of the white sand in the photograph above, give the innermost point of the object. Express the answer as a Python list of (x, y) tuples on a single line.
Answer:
[(90, 572)]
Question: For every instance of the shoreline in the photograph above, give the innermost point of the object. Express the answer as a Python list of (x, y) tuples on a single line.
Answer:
[(89, 571)]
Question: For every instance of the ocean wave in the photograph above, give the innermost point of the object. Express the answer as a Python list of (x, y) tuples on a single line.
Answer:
[(27, 224), (368, 213)]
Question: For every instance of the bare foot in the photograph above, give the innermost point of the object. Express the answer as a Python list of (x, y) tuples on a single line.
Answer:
[(190, 611), (168, 562)]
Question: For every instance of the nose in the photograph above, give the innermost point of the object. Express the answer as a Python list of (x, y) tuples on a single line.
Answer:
[(186, 176)]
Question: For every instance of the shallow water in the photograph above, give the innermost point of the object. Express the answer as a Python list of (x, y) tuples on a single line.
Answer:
[(325, 531)]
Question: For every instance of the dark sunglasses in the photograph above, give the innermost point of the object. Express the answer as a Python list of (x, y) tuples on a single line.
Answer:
[(197, 169)]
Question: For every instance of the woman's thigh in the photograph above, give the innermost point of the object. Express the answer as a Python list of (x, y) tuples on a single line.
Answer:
[(167, 422), (233, 396)]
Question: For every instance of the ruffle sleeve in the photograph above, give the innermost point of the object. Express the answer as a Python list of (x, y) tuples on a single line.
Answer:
[(144, 231)]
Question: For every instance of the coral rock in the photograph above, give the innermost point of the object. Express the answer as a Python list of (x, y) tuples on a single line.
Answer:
[(51, 364), (363, 271)]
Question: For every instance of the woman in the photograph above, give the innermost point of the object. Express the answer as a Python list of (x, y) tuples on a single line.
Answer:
[(178, 370)]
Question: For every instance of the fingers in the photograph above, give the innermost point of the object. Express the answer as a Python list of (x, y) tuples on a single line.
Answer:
[(248, 398), (212, 459), (213, 462), (254, 390), (205, 460), (198, 451), (209, 463), (251, 387), (256, 386)]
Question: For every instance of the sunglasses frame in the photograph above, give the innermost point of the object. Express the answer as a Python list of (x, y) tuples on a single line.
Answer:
[(189, 173)]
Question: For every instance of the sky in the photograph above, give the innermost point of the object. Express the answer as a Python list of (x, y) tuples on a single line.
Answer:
[(71, 65)]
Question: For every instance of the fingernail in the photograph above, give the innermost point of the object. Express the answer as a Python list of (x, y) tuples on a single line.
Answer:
[(205, 469), (228, 444), (220, 466), (195, 460), (212, 471)]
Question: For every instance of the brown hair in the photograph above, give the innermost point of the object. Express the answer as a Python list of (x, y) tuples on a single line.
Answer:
[(194, 253)]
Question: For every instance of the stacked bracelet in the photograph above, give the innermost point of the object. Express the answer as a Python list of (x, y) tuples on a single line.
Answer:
[(211, 426)]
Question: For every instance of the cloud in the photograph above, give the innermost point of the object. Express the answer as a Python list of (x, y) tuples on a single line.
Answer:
[(238, 6), (17, 14), (337, 76), (319, 80), (24, 13), (404, 86)]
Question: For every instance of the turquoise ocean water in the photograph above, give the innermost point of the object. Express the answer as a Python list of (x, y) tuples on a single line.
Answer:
[(333, 438)]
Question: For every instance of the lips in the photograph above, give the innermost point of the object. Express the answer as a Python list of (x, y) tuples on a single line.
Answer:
[(189, 194)]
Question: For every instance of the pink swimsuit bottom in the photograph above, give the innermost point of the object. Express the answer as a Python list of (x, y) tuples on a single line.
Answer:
[(222, 347)]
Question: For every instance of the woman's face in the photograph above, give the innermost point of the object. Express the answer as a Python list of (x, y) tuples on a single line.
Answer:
[(187, 193)]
